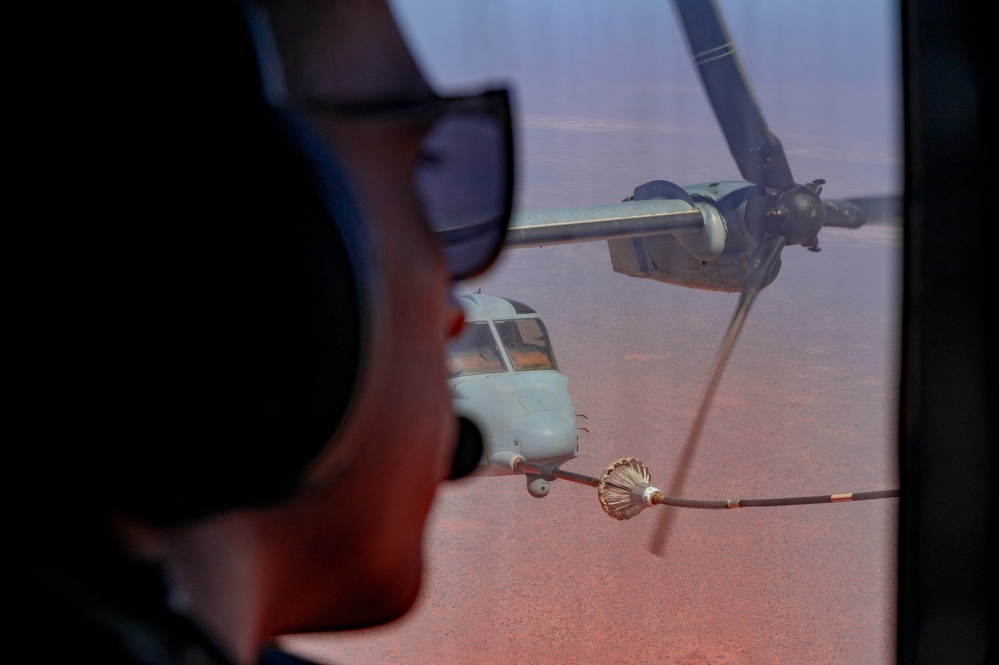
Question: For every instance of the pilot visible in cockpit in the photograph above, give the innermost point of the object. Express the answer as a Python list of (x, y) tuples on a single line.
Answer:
[(510, 340)]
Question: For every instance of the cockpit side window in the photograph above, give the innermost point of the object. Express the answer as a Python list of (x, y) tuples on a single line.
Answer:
[(526, 342), (475, 351)]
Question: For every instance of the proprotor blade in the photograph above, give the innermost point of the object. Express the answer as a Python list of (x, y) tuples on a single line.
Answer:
[(756, 150), (855, 212), (761, 266)]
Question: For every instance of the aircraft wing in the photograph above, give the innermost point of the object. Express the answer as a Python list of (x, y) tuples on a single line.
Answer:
[(602, 222)]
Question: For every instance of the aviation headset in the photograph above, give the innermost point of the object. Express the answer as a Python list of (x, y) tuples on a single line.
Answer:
[(196, 347), (220, 345)]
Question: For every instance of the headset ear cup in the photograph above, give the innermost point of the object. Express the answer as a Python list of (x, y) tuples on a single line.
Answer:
[(247, 299), (268, 320)]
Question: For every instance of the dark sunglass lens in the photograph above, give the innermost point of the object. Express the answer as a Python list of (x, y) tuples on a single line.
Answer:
[(463, 181)]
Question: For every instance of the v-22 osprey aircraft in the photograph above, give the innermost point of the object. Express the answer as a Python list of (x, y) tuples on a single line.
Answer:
[(503, 374)]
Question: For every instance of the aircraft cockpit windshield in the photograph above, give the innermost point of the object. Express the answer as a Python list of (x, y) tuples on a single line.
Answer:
[(475, 352), (526, 343)]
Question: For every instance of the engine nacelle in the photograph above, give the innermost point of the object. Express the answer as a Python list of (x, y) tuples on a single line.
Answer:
[(715, 257)]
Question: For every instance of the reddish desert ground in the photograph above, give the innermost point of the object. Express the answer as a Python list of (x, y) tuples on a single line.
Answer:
[(807, 406)]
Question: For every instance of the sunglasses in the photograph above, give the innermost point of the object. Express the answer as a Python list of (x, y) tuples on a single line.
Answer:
[(464, 178)]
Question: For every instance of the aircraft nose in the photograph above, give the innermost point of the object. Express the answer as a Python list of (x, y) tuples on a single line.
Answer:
[(545, 435)]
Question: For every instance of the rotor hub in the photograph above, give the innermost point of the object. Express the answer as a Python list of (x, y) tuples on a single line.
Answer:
[(798, 215)]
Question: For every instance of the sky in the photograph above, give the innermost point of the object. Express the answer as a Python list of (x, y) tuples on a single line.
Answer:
[(819, 70)]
